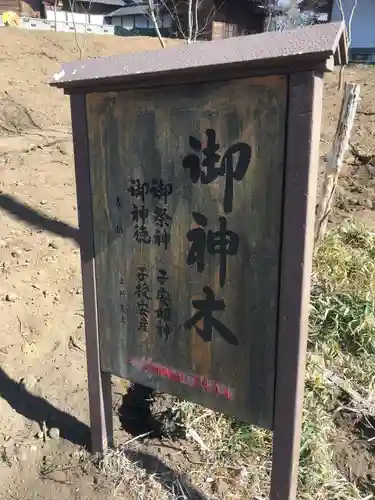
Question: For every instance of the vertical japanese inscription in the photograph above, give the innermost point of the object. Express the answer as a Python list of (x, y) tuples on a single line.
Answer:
[(142, 292), (162, 221), (141, 216), (152, 225), (205, 309), (119, 228), (163, 312), (140, 213), (221, 242), (122, 297), (140, 220), (206, 164), (232, 165)]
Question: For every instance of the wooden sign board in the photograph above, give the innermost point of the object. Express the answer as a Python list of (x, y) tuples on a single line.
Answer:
[(196, 177), (187, 204)]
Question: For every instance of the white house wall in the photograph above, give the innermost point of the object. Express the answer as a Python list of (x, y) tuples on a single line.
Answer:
[(79, 18), (363, 22), (97, 19), (60, 15)]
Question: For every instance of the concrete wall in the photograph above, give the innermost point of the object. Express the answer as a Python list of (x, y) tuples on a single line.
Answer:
[(69, 27)]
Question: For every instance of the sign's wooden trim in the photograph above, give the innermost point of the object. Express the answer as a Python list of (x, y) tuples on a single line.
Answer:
[(301, 170), (99, 382), (202, 77)]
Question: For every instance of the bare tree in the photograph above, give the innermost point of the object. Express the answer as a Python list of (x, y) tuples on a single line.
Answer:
[(290, 14), (153, 14), (179, 11), (348, 23), (55, 12), (81, 46)]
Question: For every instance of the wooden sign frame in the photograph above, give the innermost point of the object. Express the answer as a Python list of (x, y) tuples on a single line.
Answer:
[(303, 55)]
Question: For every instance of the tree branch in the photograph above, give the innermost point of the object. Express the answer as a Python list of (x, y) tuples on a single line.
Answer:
[(151, 6)]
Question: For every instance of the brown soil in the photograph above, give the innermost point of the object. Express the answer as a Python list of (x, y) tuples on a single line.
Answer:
[(355, 449), (355, 197), (42, 358)]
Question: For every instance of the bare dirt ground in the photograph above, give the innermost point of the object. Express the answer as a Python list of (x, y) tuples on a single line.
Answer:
[(356, 190), (42, 354)]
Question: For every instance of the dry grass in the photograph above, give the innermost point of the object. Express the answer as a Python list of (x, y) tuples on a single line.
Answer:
[(122, 472), (342, 343)]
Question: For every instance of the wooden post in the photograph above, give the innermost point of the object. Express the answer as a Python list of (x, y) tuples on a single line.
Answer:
[(302, 154), (99, 382), (336, 157)]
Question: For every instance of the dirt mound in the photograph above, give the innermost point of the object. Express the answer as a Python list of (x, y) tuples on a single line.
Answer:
[(29, 60)]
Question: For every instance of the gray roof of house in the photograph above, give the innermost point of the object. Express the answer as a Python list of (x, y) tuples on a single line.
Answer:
[(115, 3), (129, 10), (300, 47)]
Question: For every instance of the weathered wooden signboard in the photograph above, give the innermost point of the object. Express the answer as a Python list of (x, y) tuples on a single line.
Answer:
[(187, 204), (196, 175)]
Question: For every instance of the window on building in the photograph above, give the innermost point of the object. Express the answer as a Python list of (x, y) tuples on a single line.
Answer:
[(140, 22), (167, 20), (127, 22), (229, 30)]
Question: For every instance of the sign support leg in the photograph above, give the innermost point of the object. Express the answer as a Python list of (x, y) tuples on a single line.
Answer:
[(301, 169), (99, 382)]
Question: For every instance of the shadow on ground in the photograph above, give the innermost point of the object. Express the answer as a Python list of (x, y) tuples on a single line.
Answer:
[(39, 410), (135, 413), (144, 412), (37, 219)]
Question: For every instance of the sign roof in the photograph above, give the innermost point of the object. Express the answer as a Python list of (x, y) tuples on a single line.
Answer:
[(291, 49)]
